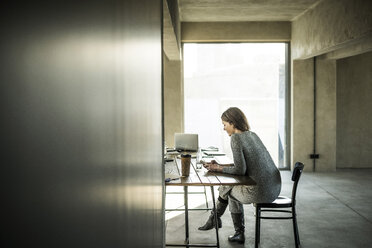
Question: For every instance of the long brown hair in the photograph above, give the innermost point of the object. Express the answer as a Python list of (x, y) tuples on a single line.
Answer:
[(236, 117)]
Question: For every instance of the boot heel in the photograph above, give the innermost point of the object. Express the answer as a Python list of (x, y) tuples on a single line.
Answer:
[(238, 220), (238, 237)]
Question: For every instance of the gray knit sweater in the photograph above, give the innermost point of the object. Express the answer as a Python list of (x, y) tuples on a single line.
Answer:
[(252, 158)]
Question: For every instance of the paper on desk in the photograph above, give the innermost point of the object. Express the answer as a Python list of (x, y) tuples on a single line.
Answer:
[(173, 153), (213, 153), (171, 176), (210, 148), (223, 160)]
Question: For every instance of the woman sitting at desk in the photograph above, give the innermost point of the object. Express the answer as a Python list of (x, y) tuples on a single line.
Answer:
[(250, 158)]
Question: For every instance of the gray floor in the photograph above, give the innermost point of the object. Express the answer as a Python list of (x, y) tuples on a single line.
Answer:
[(334, 210)]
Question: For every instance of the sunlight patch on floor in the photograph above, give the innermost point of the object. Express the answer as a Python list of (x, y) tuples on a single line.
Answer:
[(174, 199)]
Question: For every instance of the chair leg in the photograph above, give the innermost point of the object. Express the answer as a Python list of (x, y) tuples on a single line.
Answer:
[(258, 222), (295, 228)]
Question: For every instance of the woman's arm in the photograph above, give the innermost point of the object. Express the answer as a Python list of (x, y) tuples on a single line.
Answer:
[(239, 167)]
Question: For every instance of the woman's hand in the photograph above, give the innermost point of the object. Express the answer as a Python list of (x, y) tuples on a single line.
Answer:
[(213, 166)]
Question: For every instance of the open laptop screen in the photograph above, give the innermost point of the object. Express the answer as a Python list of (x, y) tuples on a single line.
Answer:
[(186, 141)]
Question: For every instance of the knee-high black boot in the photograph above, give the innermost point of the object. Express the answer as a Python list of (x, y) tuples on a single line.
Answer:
[(238, 220), (220, 209)]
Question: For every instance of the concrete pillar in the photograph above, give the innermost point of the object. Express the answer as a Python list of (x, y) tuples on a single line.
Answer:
[(354, 112), (303, 113), (302, 102), (326, 114), (173, 99)]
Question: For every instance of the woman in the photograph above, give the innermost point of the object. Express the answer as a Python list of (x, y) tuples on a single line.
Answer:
[(250, 158)]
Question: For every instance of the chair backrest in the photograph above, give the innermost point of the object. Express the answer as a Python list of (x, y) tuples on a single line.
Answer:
[(297, 171)]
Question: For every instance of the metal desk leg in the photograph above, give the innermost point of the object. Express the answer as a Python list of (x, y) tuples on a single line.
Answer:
[(205, 194), (185, 189), (187, 240), (215, 217)]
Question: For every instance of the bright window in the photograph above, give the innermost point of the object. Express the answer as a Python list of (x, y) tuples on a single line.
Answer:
[(251, 76)]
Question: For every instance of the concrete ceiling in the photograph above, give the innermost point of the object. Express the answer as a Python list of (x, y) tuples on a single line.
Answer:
[(242, 10)]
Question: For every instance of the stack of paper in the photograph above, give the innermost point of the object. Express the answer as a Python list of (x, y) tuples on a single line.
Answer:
[(171, 176)]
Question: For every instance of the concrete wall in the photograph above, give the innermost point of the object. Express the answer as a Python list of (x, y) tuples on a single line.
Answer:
[(173, 99), (235, 31), (302, 114), (331, 25), (302, 110), (333, 29), (173, 7), (354, 111), (171, 30), (172, 72), (325, 114)]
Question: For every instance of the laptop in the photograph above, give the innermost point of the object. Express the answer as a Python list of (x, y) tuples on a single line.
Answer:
[(186, 142)]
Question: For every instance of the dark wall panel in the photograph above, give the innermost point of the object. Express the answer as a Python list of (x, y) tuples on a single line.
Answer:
[(82, 123)]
